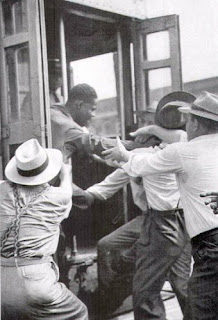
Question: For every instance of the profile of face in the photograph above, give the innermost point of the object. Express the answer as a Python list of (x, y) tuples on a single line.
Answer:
[(190, 126), (146, 120), (85, 112), (55, 82)]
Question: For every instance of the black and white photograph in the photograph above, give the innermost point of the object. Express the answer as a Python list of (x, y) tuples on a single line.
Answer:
[(109, 159)]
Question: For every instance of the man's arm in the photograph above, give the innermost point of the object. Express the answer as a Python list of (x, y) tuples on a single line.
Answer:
[(110, 185), (166, 160), (102, 191), (166, 135), (86, 143)]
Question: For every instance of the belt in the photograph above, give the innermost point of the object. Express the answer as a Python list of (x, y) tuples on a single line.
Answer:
[(14, 262), (166, 212), (210, 235)]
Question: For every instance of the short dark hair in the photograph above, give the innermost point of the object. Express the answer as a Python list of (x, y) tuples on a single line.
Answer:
[(83, 92), (208, 124)]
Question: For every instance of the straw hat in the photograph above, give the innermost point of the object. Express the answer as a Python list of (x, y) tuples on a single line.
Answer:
[(33, 165), (205, 106), (167, 115)]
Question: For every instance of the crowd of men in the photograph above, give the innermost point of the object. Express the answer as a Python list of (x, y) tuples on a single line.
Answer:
[(170, 174)]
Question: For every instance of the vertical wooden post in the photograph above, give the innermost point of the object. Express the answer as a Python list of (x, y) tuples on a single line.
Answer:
[(63, 57)]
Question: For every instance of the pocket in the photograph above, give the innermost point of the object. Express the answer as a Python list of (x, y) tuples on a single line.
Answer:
[(36, 271), (170, 227)]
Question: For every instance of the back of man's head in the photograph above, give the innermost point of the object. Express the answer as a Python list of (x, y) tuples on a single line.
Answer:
[(83, 92)]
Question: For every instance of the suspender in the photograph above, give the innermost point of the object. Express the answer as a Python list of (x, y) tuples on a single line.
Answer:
[(15, 224)]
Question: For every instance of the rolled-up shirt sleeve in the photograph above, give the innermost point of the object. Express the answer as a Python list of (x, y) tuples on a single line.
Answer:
[(110, 185), (166, 160)]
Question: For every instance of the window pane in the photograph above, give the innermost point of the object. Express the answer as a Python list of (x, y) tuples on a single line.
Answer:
[(20, 14), (7, 18), (158, 46), (160, 83), (14, 17), (18, 73)]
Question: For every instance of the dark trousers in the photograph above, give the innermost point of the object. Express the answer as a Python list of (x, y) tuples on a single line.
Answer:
[(203, 284), (117, 256), (162, 240)]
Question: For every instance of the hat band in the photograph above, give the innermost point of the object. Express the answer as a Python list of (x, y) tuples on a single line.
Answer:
[(33, 172), (196, 108)]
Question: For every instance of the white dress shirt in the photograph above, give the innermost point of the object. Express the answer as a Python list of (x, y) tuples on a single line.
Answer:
[(195, 164), (161, 190)]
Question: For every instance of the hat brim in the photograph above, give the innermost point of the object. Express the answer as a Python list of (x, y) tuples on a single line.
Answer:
[(55, 160), (167, 115), (202, 114)]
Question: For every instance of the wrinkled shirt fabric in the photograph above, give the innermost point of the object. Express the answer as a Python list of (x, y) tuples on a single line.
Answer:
[(195, 166)]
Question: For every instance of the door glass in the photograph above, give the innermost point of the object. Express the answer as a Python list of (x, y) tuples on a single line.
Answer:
[(18, 80), (14, 16), (158, 46), (99, 72), (160, 83)]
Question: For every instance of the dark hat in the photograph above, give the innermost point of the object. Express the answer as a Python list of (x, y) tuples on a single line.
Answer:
[(205, 106), (167, 114), (54, 66)]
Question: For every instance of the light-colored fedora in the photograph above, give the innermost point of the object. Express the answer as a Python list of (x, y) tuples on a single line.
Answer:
[(33, 165), (205, 106), (167, 115)]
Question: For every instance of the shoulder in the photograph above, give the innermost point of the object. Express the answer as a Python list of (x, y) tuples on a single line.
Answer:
[(5, 185), (57, 195), (59, 116), (5, 189)]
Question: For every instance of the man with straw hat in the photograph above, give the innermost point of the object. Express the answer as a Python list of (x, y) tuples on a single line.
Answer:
[(30, 214), (195, 166)]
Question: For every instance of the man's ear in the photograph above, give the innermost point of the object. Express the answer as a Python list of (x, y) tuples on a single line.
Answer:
[(78, 104), (196, 124)]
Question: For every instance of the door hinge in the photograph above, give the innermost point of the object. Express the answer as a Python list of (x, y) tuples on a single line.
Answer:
[(5, 132)]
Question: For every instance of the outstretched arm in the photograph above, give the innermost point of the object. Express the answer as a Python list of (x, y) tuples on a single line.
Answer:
[(66, 179), (166, 135)]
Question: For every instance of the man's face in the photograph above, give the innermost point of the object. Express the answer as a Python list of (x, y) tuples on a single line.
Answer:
[(86, 112), (55, 82), (189, 126), (146, 120)]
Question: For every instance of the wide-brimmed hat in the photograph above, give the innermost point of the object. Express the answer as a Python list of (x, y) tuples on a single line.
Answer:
[(33, 165), (205, 106), (167, 114)]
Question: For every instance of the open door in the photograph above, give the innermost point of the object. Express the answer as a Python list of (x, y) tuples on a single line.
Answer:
[(22, 54), (157, 59)]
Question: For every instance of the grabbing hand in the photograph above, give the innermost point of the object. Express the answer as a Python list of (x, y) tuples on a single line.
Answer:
[(141, 135), (118, 153), (212, 200)]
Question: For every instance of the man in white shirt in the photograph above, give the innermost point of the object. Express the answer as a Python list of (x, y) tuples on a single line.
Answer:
[(163, 196), (195, 165)]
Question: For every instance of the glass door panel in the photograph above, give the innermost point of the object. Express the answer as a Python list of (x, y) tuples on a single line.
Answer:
[(22, 85)]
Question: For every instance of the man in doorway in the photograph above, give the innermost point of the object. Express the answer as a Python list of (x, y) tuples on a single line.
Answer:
[(195, 166), (55, 81), (69, 134)]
